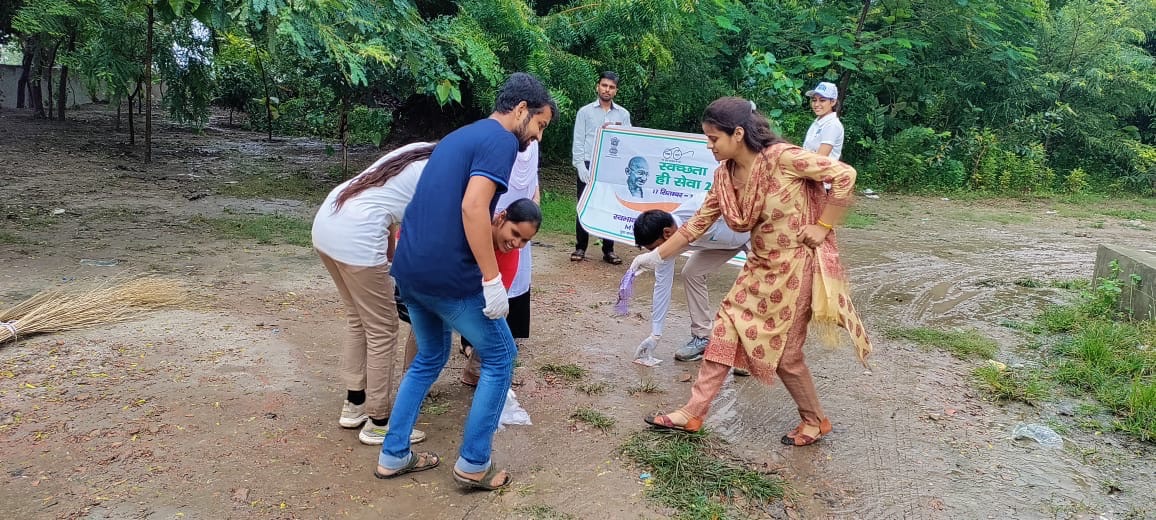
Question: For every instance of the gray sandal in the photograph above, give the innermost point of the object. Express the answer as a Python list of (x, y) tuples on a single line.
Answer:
[(484, 482), (413, 467)]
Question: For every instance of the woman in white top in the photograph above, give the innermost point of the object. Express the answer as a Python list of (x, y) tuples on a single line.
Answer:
[(825, 136), (352, 235), (523, 185)]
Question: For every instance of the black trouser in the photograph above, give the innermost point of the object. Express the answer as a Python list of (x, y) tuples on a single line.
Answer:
[(581, 236)]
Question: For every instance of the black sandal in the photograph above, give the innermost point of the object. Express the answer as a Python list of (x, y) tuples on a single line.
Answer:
[(578, 255), (611, 258)]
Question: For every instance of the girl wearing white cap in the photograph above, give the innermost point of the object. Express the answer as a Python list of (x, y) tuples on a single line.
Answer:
[(825, 136)]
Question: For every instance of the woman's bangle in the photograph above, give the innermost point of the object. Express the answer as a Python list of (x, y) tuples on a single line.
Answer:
[(824, 224)]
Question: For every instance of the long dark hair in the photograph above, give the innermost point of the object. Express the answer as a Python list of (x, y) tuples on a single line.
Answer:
[(383, 172), (730, 113), (524, 210)]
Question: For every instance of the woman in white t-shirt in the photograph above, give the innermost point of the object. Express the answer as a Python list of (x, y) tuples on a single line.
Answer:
[(825, 136), (352, 235)]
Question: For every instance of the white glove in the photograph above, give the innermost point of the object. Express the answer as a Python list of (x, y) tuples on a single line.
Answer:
[(583, 174), (497, 301), (646, 348), (647, 260)]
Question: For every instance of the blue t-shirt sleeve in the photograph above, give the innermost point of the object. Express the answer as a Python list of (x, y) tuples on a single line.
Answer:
[(496, 159)]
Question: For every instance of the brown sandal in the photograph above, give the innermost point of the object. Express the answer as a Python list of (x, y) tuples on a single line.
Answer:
[(663, 422), (797, 438)]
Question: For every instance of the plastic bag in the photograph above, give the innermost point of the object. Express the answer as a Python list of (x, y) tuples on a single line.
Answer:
[(513, 413), (625, 291), (1039, 433)]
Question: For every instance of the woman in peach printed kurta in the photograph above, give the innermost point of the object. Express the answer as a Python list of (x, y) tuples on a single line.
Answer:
[(772, 189), (761, 313)]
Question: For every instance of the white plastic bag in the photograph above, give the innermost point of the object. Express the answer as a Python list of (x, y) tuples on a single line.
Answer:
[(513, 413)]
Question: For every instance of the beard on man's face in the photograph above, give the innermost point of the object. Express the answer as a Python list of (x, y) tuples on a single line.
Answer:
[(522, 133)]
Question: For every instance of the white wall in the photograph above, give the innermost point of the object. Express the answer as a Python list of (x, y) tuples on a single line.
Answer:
[(10, 74)]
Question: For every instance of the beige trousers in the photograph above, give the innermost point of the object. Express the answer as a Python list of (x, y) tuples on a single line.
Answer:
[(369, 356), (700, 264)]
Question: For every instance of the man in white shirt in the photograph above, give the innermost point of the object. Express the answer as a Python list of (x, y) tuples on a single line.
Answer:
[(710, 252), (590, 118)]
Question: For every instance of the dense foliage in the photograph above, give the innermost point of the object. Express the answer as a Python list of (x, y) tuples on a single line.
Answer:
[(1013, 96)]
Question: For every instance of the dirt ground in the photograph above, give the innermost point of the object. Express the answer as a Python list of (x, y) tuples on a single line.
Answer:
[(228, 409)]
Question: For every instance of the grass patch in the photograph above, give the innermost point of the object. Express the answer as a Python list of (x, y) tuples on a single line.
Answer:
[(1074, 284), (692, 475), (295, 186), (856, 220), (963, 344), (10, 238), (992, 216), (435, 403), (1030, 283), (1130, 214), (543, 513), (1115, 363), (558, 213), (593, 417), (1056, 319), (265, 229), (646, 386), (594, 388), (1004, 384), (569, 372), (1112, 361)]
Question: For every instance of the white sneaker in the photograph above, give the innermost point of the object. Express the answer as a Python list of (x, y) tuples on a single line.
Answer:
[(352, 415), (374, 435)]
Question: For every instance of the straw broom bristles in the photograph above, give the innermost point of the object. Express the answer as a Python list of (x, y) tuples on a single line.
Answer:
[(56, 310)]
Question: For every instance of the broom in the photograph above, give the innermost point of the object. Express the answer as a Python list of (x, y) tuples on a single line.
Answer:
[(56, 310)]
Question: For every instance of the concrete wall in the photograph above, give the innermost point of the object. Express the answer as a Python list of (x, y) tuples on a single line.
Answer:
[(1139, 300), (10, 74)]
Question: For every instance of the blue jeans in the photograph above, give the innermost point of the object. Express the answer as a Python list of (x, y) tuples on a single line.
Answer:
[(434, 319)]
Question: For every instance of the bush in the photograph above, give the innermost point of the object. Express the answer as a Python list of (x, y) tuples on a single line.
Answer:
[(309, 115), (912, 159), (997, 165), (1141, 175), (1076, 181), (369, 125)]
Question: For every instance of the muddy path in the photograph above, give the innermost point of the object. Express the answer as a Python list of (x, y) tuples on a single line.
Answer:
[(227, 409)]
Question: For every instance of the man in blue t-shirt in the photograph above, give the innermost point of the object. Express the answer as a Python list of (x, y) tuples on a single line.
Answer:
[(448, 277)]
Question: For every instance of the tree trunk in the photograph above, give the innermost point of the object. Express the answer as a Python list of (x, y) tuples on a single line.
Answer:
[(117, 129), (845, 76), (343, 135), (149, 88), (48, 80), (35, 91), (25, 69), (62, 96), (131, 127), (131, 124), (268, 105)]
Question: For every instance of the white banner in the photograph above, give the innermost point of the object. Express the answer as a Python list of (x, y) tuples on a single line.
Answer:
[(639, 169)]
